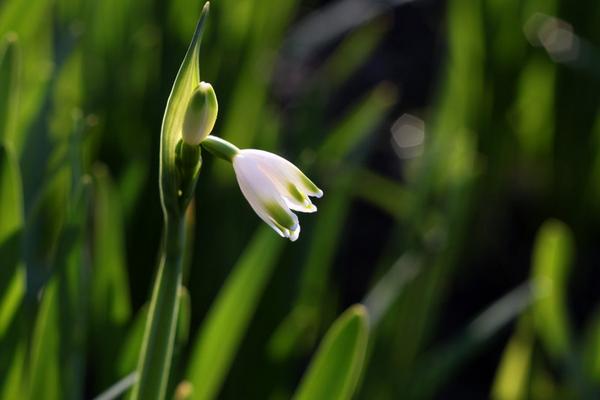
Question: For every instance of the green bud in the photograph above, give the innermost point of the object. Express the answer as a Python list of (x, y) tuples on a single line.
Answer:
[(200, 115)]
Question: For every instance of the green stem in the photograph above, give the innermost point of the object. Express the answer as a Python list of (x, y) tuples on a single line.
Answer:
[(220, 147), (157, 347)]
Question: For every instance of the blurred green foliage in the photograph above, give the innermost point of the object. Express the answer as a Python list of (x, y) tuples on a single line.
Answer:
[(503, 193)]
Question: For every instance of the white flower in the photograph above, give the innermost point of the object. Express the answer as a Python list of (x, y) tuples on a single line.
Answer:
[(274, 186)]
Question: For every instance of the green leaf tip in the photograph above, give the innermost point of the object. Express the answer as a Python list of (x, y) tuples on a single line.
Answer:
[(335, 370)]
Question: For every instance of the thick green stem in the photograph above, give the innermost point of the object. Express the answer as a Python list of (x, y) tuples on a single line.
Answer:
[(157, 347)]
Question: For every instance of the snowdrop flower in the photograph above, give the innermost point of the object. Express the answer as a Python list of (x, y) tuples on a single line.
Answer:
[(274, 187)]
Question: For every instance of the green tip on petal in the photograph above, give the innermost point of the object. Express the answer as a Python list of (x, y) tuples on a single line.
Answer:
[(280, 216), (297, 194), (310, 186)]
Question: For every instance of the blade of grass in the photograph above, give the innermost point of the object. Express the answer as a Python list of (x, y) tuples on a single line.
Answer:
[(12, 271), (110, 307), (438, 367), (550, 269), (335, 369), (9, 77), (13, 338), (512, 377), (228, 318), (57, 355)]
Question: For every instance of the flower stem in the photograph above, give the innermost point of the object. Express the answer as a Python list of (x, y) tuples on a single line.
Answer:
[(220, 147), (157, 347)]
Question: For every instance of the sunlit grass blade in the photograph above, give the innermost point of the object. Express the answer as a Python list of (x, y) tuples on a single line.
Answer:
[(512, 377), (110, 289), (385, 193), (388, 288), (28, 20), (551, 265), (352, 52), (58, 344), (120, 387), (129, 350), (335, 370), (357, 124), (440, 364), (590, 348), (110, 307), (13, 339), (12, 269), (9, 73), (264, 24), (13, 358), (230, 314)]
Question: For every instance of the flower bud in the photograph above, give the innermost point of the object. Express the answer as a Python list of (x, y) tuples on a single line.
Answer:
[(200, 115)]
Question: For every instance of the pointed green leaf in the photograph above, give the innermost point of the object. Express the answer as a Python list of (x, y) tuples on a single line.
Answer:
[(187, 80), (230, 314), (335, 370)]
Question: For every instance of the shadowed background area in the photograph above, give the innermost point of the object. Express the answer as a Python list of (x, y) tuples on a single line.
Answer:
[(457, 145)]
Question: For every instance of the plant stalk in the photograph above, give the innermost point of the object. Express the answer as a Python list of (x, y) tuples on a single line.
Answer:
[(157, 347)]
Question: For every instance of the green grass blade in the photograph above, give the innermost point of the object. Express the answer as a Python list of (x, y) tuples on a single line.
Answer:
[(12, 269), (130, 349), (110, 306), (335, 370), (58, 345), (110, 291), (230, 315), (440, 364), (551, 265), (12, 278), (9, 71), (357, 124), (384, 193), (512, 377)]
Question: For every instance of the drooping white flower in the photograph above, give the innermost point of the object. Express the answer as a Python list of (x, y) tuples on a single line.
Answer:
[(274, 187)]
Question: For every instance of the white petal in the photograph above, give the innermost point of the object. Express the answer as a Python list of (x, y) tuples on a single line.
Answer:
[(284, 174), (262, 193)]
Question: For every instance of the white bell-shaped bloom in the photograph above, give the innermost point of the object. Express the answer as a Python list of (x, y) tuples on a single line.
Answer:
[(274, 187)]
